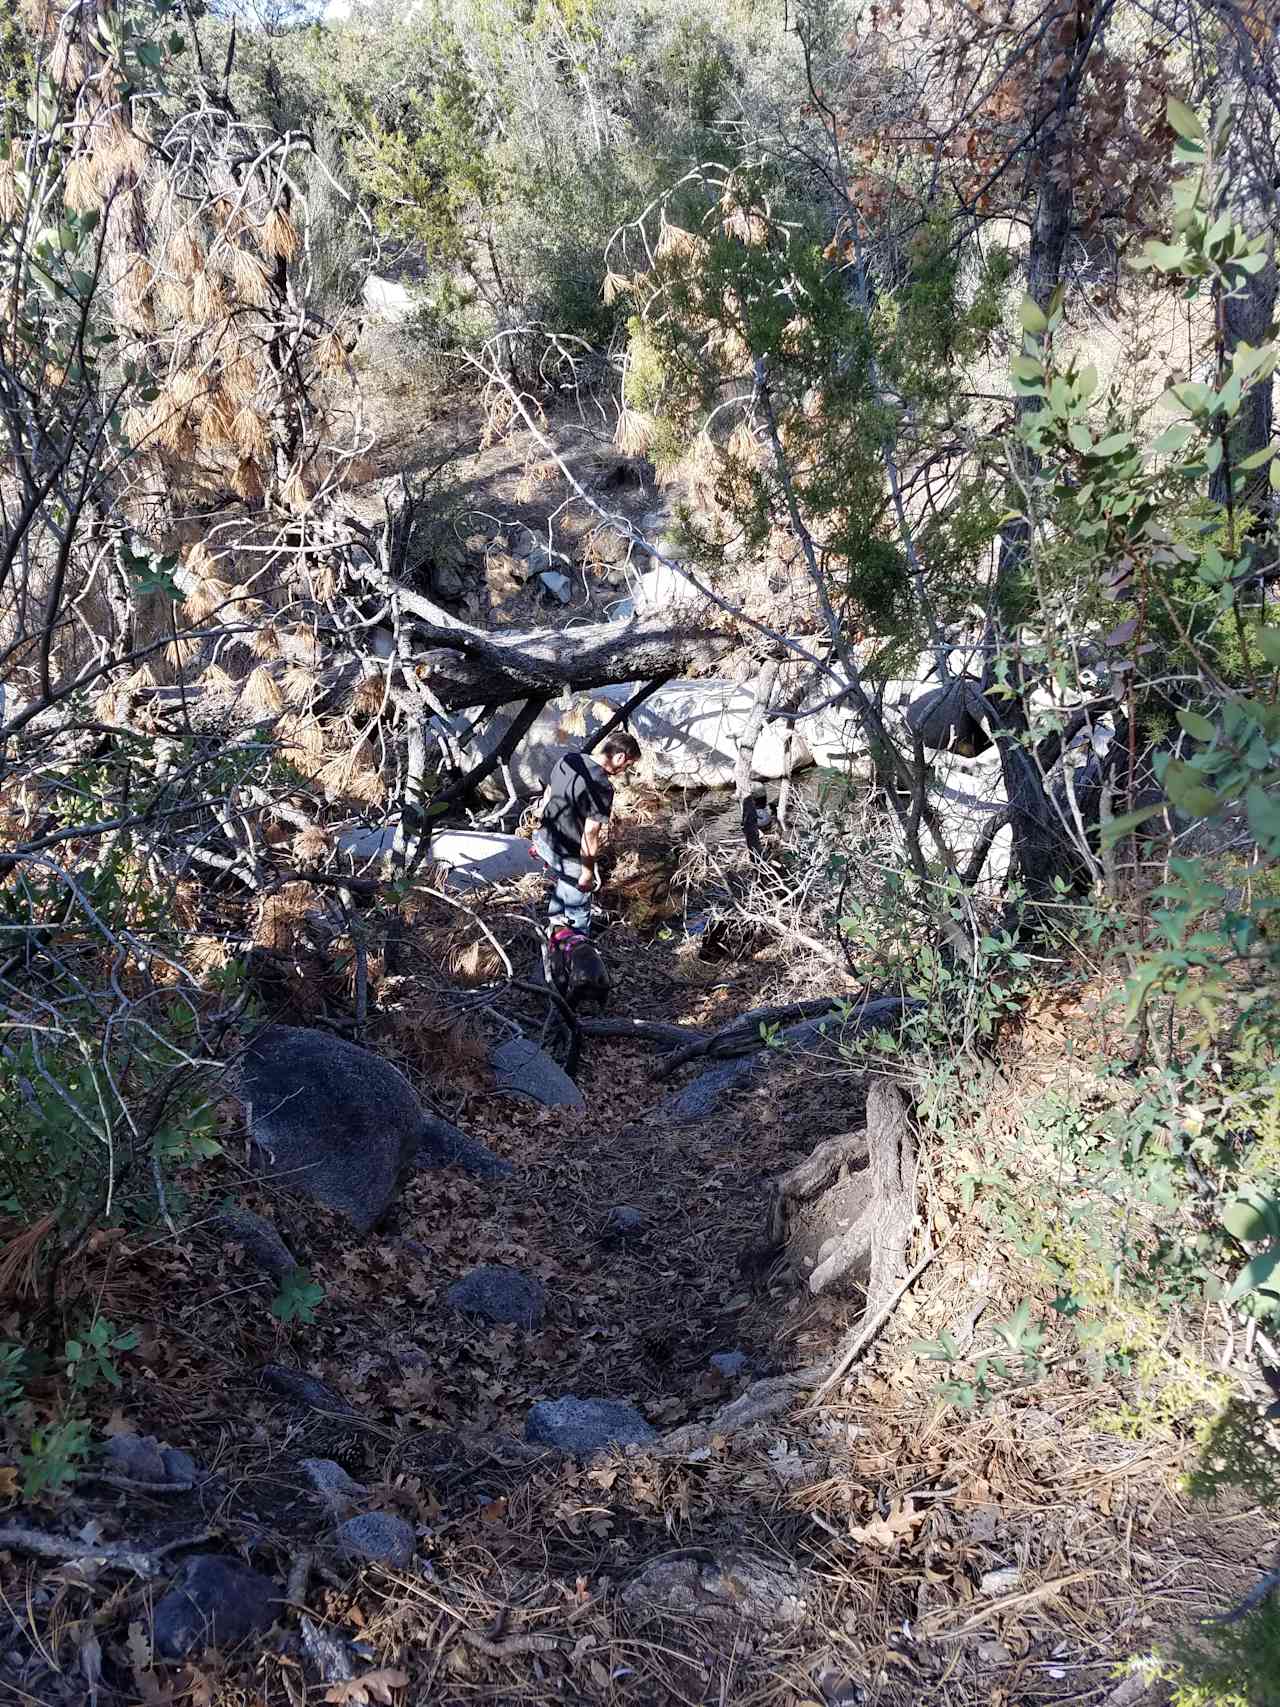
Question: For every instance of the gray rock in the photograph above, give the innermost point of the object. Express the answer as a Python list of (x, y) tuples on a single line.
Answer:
[(722, 1589), (262, 1244), (540, 560), (584, 1426), (136, 1456), (557, 585), (304, 1389), (213, 1602), (328, 1654), (473, 859), (329, 1119), (523, 1069), (180, 1467), (336, 1489), (500, 1295), (447, 576), (377, 1538), (729, 1364), (624, 1222), (443, 1143)]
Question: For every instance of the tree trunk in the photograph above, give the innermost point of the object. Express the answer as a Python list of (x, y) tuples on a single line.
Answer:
[(766, 681), (1042, 847), (1247, 314)]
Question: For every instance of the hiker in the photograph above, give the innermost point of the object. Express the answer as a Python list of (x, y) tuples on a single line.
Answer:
[(575, 815)]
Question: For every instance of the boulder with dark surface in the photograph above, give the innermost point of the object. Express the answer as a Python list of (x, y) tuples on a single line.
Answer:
[(213, 1602), (951, 717), (584, 1427), (444, 1144), (329, 1119), (377, 1538), (340, 1124), (500, 1294)]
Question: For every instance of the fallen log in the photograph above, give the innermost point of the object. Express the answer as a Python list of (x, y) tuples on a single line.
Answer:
[(742, 1034), (700, 1097), (467, 666)]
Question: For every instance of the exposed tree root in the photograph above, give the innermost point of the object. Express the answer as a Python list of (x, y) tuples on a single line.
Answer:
[(761, 1401), (144, 1563), (873, 1250), (812, 1176)]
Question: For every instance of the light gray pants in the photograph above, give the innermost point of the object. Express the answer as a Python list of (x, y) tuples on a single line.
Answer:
[(570, 903)]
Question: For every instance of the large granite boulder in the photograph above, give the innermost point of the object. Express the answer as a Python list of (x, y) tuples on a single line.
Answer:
[(213, 1602), (329, 1119)]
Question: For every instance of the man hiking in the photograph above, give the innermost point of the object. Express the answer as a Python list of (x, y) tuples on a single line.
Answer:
[(575, 815)]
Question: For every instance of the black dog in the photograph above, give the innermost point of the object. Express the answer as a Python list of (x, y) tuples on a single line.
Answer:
[(577, 970)]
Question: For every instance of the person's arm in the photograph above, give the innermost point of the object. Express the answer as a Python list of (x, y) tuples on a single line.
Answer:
[(592, 841)]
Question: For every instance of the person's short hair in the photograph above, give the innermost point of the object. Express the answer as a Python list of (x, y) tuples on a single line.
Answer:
[(621, 746)]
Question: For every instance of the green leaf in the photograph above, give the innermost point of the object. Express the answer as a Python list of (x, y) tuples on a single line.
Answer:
[(1080, 437), (1246, 1219), (1169, 257), (1184, 121), (1254, 1275), (1173, 438), (1028, 368), (1273, 474), (1263, 810), (1268, 642), (1187, 790), (1195, 725), (1033, 317), (1113, 445), (1192, 395), (1259, 457), (1114, 828)]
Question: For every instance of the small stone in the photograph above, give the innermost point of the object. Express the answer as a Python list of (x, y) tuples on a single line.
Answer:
[(303, 1389), (377, 1538), (983, 1523), (137, 1457), (214, 1602), (584, 1426), (500, 1295), (624, 1221), (335, 1488), (179, 1466), (994, 1653), (729, 1364), (540, 560), (1001, 1581), (558, 586)]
